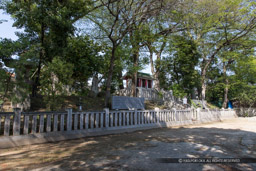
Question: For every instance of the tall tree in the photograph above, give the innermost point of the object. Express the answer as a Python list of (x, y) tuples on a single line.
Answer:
[(83, 53), (15, 75), (159, 30), (56, 76), (48, 23), (178, 69), (216, 25), (116, 19)]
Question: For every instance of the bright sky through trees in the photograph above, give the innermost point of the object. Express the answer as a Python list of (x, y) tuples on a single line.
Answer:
[(8, 31)]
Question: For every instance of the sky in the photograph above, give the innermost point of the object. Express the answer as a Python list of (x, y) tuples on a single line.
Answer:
[(7, 31)]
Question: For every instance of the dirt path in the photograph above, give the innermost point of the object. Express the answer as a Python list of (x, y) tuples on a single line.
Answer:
[(140, 150)]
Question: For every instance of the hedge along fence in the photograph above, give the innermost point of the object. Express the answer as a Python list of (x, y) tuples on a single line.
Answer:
[(22, 127)]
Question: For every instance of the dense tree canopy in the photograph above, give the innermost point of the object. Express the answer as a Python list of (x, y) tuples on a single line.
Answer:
[(208, 46)]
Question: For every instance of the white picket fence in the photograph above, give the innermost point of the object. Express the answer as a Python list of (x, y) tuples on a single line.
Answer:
[(23, 123), (246, 112), (24, 128), (206, 115)]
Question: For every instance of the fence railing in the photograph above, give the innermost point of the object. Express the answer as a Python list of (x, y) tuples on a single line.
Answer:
[(23, 123), (150, 94), (246, 112), (23, 128)]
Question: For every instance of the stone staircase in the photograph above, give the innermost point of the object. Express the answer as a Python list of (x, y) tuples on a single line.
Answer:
[(199, 104), (165, 98), (175, 104)]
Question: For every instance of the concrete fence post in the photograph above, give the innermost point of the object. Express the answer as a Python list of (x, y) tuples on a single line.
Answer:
[(16, 121), (69, 119), (106, 117), (175, 114), (198, 117), (217, 114), (193, 114), (157, 115), (222, 113), (135, 116)]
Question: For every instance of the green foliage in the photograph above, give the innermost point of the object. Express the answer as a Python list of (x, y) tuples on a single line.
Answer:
[(215, 93), (54, 19), (187, 38), (244, 94), (56, 81), (241, 71), (6, 85), (178, 90), (178, 70), (47, 26), (83, 54), (7, 49), (196, 105), (14, 80)]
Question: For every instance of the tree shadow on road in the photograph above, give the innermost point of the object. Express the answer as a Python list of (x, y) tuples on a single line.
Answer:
[(140, 150)]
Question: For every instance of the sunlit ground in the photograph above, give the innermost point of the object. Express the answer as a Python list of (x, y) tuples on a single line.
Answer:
[(140, 150)]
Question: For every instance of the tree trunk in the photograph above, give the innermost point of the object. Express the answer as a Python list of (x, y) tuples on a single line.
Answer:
[(156, 76), (203, 83), (41, 57), (151, 62), (155, 70), (134, 83), (157, 82), (152, 67), (225, 102), (158, 63), (203, 77), (121, 84), (225, 98), (134, 75), (109, 79)]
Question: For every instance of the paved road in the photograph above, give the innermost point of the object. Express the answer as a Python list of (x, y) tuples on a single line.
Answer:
[(141, 150)]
